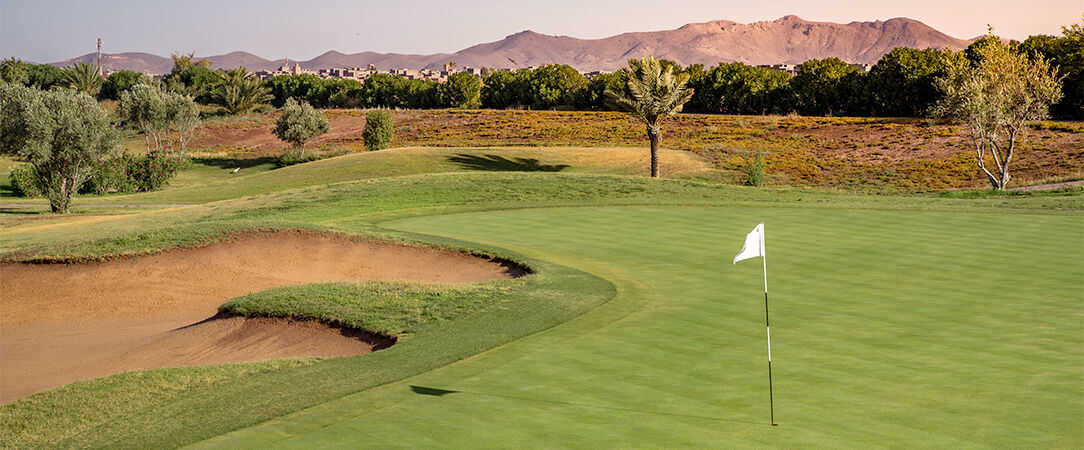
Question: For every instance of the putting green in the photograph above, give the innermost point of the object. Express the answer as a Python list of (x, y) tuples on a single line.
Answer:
[(890, 328)]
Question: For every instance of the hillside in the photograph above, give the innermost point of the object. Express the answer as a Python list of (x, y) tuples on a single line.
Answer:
[(789, 39)]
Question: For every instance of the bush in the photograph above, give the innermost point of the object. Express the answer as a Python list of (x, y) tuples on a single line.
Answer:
[(152, 171), (22, 179), (378, 130), (291, 158), (754, 169), (110, 175)]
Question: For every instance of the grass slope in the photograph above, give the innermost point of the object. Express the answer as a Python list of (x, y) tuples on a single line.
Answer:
[(211, 179), (171, 407), (892, 328)]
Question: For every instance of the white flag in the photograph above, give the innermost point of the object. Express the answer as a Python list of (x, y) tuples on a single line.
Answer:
[(754, 244)]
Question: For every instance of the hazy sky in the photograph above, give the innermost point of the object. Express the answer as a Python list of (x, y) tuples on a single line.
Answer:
[(46, 31)]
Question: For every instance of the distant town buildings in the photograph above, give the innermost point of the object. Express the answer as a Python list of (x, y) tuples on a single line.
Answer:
[(863, 67), (360, 74), (441, 75), (789, 69)]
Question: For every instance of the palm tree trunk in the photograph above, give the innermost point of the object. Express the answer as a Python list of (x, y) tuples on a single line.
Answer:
[(653, 136)]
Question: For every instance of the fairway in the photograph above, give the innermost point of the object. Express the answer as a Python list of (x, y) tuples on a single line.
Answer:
[(918, 329)]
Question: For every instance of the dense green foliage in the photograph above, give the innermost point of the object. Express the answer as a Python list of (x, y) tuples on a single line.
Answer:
[(1065, 53), (120, 82), (901, 84), (191, 77), (825, 87), (23, 179), (319, 92), (462, 90), (736, 88), (110, 175), (298, 123), (60, 132), (14, 71), (133, 173), (379, 130)]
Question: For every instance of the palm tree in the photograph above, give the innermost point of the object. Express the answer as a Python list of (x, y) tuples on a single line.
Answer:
[(239, 91), (82, 77), (651, 94)]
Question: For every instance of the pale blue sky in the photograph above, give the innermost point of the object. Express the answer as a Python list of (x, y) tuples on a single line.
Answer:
[(46, 31)]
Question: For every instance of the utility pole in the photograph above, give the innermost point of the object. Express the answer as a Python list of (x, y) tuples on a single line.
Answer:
[(99, 63)]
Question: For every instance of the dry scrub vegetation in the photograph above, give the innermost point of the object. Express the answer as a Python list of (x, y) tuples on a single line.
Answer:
[(852, 153)]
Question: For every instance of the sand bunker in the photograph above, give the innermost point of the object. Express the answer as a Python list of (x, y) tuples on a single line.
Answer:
[(63, 323)]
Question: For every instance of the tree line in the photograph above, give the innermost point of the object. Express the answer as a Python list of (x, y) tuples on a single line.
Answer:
[(901, 84)]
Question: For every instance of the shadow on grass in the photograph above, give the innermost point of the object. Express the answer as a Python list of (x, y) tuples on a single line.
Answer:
[(35, 210), (435, 392), (233, 163), (496, 163)]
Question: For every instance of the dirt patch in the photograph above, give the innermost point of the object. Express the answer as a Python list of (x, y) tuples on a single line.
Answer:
[(61, 323)]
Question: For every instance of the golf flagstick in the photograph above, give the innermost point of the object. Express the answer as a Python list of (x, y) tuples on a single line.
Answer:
[(767, 326), (754, 247)]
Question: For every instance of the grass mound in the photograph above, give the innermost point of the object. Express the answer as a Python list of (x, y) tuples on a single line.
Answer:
[(392, 309)]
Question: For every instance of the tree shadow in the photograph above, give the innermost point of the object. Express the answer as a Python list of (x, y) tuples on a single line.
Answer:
[(497, 163), (233, 163)]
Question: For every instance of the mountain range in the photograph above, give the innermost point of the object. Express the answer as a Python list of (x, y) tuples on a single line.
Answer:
[(789, 39)]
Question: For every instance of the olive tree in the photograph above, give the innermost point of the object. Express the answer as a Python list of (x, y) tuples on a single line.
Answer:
[(62, 133), (993, 93), (651, 93), (298, 123), (167, 120)]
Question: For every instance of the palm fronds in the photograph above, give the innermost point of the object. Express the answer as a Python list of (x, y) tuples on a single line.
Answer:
[(82, 77), (239, 91)]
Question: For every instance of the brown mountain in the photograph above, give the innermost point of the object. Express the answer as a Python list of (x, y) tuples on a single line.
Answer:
[(789, 39), (135, 61)]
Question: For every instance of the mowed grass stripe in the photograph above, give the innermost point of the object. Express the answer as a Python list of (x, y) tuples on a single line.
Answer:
[(900, 328)]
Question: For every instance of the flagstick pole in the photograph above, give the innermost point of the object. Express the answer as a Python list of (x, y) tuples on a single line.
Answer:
[(767, 326)]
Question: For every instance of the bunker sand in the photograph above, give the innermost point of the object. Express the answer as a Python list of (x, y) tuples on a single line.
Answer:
[(61, 323)]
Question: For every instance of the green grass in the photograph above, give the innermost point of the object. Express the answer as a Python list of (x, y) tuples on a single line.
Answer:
[(865, 287), (889, 328), (393, 309), (210, 179)]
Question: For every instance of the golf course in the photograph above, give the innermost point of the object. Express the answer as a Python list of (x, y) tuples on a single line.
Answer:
[(605, 311)]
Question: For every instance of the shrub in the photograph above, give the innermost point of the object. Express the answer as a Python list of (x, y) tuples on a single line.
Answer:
[(754, 169), (110, 175), (22, 179), (291, 158), (152, 171), (378, 130)]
